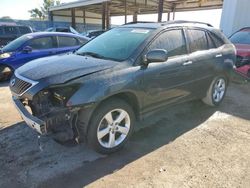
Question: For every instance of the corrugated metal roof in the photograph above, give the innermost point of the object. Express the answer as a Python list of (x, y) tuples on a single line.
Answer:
[(75, 4)]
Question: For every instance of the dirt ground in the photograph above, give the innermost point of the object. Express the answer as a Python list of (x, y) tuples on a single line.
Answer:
[(190, 145)]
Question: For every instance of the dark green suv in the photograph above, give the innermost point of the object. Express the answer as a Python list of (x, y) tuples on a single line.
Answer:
[(97, 93)]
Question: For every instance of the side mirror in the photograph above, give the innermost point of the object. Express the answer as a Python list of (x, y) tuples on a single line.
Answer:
[(156, 56), (27, 49)]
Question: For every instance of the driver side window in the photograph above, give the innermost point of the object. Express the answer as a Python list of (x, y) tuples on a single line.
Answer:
[(173, 41), (41, 43)]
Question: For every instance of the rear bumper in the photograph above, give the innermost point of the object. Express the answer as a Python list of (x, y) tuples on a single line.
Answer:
[(37, 124)]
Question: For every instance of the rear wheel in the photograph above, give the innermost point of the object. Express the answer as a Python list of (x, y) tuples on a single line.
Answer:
[(111, 126), (216, 91), (5, 73)]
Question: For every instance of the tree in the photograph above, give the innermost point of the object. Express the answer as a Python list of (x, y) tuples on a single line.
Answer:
[(36, 13), (42, 12), (6, 17)]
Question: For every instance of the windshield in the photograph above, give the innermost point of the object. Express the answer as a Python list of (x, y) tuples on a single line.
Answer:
[(242, 37), (15, 44), (117, 44)]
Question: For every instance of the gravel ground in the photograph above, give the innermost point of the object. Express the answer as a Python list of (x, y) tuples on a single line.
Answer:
[(189, 145)]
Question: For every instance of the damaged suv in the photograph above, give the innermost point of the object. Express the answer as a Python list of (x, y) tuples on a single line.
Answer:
[(98, 92)]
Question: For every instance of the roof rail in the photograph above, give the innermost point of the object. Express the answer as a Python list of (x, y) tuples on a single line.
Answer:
[(184, 21), (138, 22)]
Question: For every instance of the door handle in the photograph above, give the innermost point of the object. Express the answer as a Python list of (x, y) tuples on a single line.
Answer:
[(218, 55), (187, 63)]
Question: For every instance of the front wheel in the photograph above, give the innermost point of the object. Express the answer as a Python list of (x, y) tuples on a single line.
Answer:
[(111, 126), (216, 91)]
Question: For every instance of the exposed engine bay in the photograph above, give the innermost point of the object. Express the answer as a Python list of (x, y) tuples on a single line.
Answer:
[(60, 121)]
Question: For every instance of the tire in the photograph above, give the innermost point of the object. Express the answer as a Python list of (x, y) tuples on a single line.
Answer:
[(111, 126), (216, 92), (5, 73)]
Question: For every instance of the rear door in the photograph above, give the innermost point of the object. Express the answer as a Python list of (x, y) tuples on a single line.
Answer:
[(201, 58), (170, 81)]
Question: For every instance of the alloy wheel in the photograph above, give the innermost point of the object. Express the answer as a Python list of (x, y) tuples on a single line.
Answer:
[(113, 128), (219, 90)]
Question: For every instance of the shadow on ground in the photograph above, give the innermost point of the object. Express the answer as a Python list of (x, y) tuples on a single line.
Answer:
[(158, 132), (4, 84)]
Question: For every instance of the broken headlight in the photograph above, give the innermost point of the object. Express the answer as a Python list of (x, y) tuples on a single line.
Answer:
[(61, 94)]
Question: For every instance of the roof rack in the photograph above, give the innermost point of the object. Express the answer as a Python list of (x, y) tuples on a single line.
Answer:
[(138, 22), (184, 21)]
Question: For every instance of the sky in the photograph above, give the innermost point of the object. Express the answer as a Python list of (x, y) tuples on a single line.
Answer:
[(18, 9)]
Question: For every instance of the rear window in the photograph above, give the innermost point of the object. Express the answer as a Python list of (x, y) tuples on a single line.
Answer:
[(10, 30), (197, 40), (24, 30), (67, 41), (41, 43), (242, 37), (66, 30)]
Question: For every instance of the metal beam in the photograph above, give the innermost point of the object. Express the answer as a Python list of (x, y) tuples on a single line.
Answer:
[(160, 10), (107, 15), (125, 6), (73, 18), (103, 15)]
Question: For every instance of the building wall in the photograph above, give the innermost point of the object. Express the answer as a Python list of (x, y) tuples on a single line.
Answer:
[(235, 15), (65, 16)]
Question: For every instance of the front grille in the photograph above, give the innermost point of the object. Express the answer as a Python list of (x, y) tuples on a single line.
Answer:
[(19, 86)]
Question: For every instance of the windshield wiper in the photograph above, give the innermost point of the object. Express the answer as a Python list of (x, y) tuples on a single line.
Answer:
[(92, 54)]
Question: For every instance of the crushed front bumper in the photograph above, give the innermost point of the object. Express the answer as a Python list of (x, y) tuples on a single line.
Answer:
[(32, 121)]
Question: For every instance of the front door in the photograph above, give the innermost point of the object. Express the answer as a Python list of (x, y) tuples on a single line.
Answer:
[(168, 82), (40, 47)]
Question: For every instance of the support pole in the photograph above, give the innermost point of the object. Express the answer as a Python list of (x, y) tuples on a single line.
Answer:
[(103, 15), (169, 16), (84, 18), (51, 19), (107, 15), (174, 12), (135, 16), (125, 5), (160, 10), (73, 18)]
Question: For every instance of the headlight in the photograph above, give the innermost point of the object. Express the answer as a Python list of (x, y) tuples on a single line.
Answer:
[(63, 93), (5, 55)]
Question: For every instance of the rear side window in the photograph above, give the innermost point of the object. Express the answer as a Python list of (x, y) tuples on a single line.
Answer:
[(24, 30), (197, 40), (67, 41), (173, 41), (210, 42), (41, 43), (217, 41), (10, 30)]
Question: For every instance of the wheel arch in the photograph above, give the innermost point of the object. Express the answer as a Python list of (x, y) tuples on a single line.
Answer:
[(126, 96)]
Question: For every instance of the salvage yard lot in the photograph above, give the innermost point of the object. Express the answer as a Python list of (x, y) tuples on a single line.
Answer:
[(190, 145)]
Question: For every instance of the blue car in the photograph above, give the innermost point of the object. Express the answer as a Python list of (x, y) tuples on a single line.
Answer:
[(36, 45)]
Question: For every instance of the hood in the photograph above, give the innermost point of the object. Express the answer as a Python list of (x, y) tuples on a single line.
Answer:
[(243, 50), (62, 68)]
